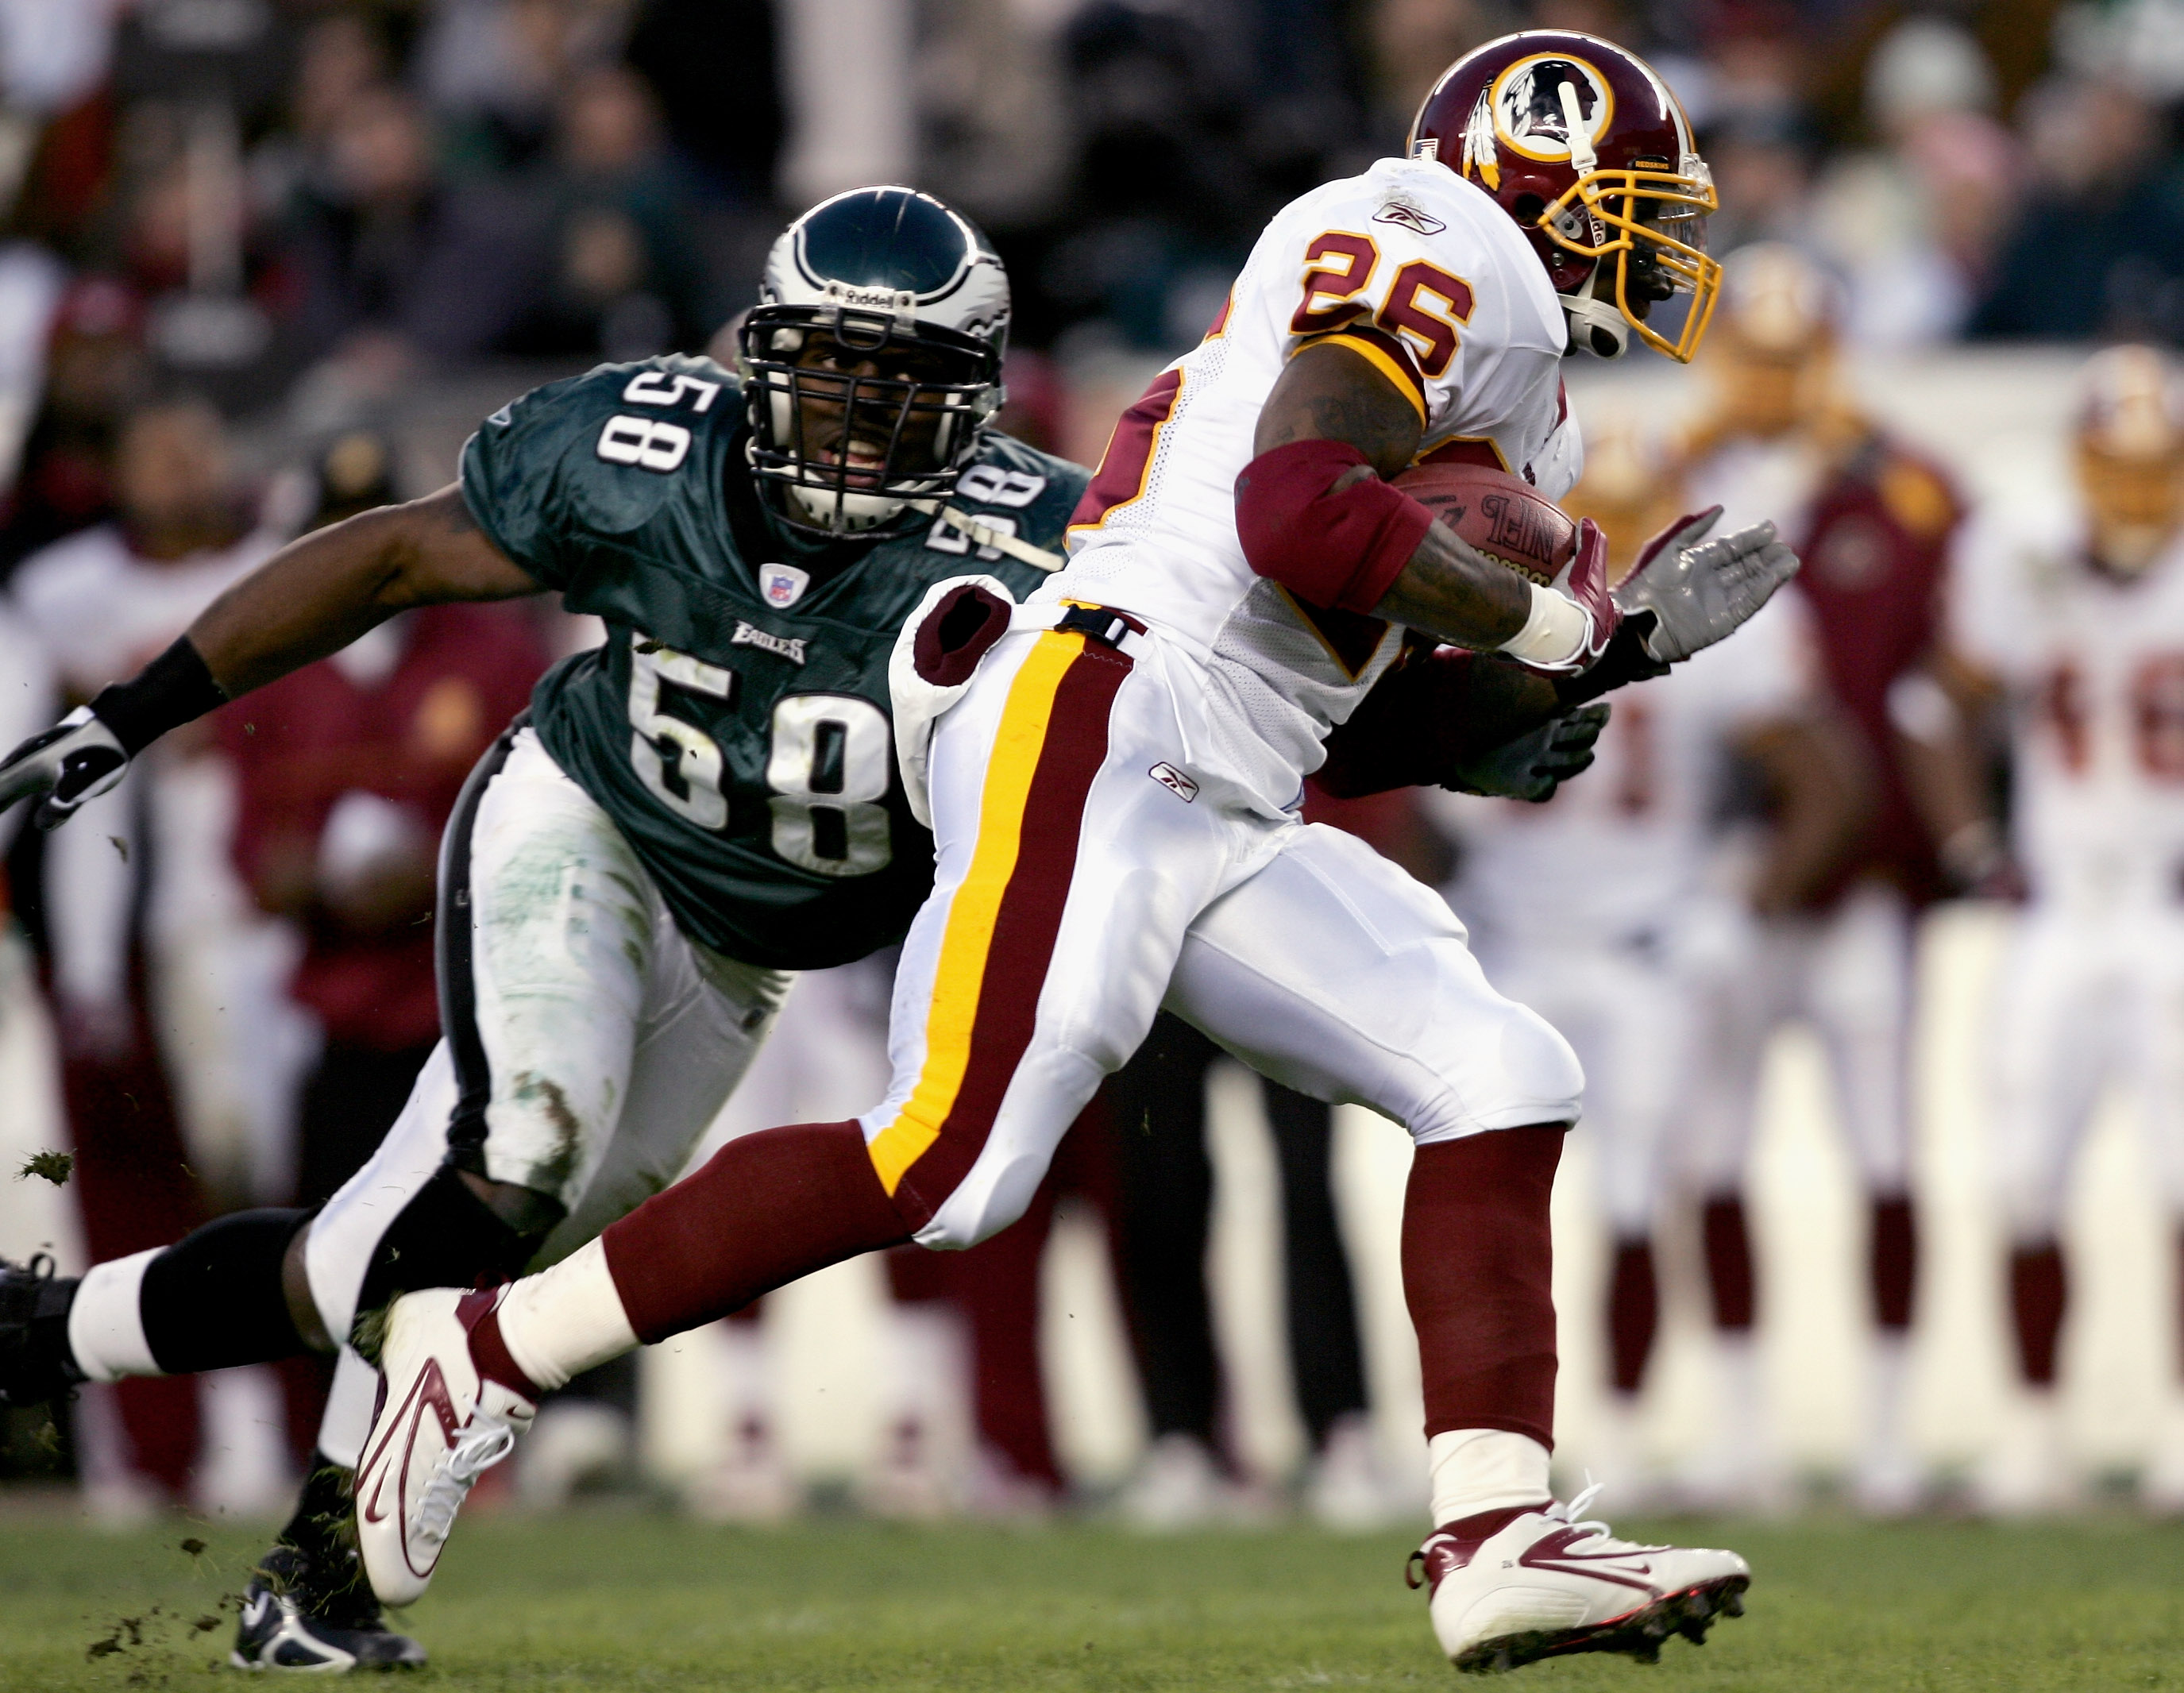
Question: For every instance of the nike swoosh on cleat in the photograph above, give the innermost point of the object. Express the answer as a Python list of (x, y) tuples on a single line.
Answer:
[(1553, 1553), (429, 1392)]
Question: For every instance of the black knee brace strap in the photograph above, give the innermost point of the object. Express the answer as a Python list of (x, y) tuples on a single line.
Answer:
[(214, 1299), (446, 1237)]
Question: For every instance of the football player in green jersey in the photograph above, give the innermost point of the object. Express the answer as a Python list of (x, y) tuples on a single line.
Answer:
[(705, 803)]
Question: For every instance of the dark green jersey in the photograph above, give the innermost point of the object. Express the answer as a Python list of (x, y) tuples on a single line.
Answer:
[(736, 725)]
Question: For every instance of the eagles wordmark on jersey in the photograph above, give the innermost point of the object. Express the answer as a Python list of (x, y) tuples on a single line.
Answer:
[(736, 725)]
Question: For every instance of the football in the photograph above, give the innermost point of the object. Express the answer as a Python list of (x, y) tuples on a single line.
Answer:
[(1502, 516)]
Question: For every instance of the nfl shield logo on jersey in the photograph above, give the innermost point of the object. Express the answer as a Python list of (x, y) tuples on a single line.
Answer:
[(783, 585)]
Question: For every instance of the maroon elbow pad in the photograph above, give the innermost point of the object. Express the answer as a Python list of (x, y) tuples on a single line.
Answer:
[(1331, 548)]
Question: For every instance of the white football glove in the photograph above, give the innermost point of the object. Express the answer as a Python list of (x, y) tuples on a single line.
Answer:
[(1700, 590), (78, 759)]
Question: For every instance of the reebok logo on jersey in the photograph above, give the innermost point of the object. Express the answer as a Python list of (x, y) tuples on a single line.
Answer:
[(783, 585), (790, 647), (1409, 217), (1174, 781)]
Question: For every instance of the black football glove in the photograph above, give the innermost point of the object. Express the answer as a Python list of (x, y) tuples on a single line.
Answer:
[(78, 759), (1533, 764)]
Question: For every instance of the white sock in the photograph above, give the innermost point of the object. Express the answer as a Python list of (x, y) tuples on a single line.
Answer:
[(744, 1353), (1485, 1469), (1736, 1358), (566, 1320), (1888, 1366), (347, 1419), (106, 1322)]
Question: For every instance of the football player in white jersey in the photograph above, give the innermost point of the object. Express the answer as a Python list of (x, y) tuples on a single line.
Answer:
[(1614, 911), (1779, 434), (1111, 773), (2077, 615)]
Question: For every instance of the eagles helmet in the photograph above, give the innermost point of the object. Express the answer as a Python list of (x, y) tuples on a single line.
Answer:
[(1581, 143), (872, 361)]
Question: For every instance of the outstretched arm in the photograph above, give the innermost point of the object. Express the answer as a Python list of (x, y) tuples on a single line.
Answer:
[(312, 598), (321, 591)]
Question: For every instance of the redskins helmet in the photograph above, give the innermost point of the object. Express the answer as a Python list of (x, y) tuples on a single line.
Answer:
[(910, 305), (2131, 456), (1582, 144)]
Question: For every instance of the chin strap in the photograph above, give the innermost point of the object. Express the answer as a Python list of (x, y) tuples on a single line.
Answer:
[(1592, 318), (985, 535)]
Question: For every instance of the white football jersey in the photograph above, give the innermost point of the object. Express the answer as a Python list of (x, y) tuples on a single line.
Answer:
[(2095, 669), (1423, 275), (104, 613), (1621, 849)]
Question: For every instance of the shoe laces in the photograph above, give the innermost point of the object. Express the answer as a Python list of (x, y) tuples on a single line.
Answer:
[(1590, 1528), (484, 1444)]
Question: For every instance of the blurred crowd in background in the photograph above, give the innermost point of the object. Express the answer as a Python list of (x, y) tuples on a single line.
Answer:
[(263, 263)]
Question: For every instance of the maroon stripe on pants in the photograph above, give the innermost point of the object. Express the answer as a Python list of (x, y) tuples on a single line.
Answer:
[(1024, 928)]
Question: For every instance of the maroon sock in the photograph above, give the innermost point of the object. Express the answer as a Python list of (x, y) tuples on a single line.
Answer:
[(1634, 1312), (768, 1208), (1729, 1278), (1894, 1259), (1478, 1275), (488, 1351), (2038, 1291)]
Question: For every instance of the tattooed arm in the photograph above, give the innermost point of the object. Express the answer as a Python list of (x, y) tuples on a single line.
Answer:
[(1328, 392), (320, 592)]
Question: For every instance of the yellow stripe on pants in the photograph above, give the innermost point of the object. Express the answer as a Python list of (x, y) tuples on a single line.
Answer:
[(952, 1011)]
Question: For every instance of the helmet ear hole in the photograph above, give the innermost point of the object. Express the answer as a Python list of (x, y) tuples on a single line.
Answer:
[(1527, 208)]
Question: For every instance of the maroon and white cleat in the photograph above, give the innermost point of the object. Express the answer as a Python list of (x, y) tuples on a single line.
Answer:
[(440, 1425), (1511, 1587)]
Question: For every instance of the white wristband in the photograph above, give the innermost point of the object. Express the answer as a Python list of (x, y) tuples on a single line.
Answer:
[(1555, 635)]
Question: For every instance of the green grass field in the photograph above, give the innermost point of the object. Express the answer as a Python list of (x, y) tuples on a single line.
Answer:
[(611, 1601)]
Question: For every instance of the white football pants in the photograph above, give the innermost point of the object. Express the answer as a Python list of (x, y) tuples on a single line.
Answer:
[(589, 1042), (1096, 860), (1633, 1011), (2084, 997), (1848, 973)]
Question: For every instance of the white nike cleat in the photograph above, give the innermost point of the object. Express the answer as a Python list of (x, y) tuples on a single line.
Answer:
[(1508, 1589), (439, 1426)]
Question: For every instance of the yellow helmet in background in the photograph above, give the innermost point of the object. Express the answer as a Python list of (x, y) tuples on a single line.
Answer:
[(2130, 443), (1628, 489), (1770, 361)]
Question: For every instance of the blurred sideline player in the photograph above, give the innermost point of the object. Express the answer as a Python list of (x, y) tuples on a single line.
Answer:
[(2074, 613), (1605, 908), (1113, 785), (146, 926), (345, 774), (30, 1210), (1873, 522)]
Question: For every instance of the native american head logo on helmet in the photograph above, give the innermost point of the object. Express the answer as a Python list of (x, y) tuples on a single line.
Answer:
[(1582, 143)]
